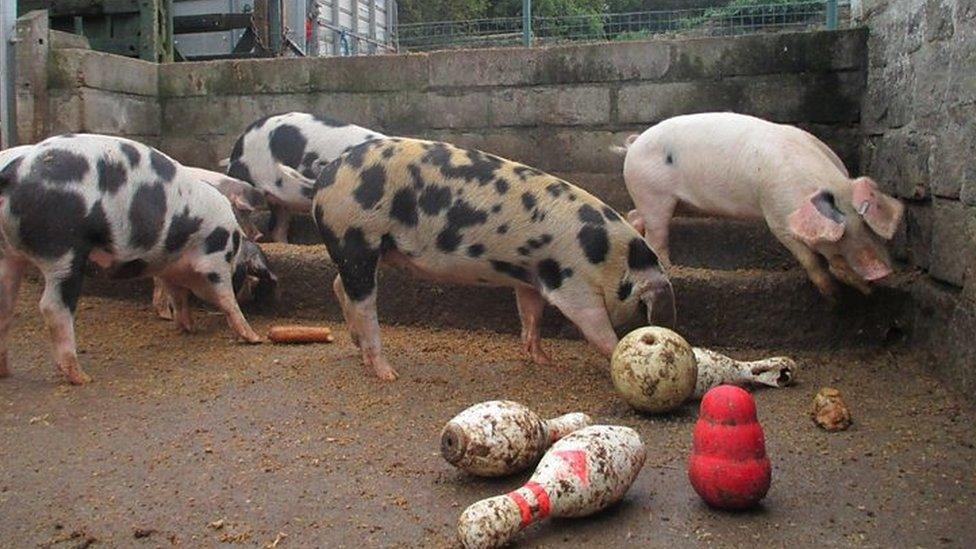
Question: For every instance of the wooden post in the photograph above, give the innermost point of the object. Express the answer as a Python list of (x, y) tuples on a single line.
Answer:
[(8, 108), (31, 78), (156, 28)]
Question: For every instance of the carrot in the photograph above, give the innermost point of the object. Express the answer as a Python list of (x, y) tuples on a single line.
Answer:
[(300, 334)]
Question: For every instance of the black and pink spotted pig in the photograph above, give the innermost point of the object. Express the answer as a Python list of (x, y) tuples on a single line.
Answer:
[(466, 216), (76, 202)]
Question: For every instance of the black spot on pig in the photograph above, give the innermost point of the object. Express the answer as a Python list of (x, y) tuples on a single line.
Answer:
[(98, 232), (287, 145), (308, 192), (308, 165), (502, 229), (461, 215), (669, 159), (130, 269), (515, 271), (164, 167), (50, 219), (588, 214), (475, 250), (59, 166), (524, 172), (523, 250), (70, 287), (557, 189), (404, 206), (239, 170), (501, 186), (594, 241), (528, 201), (238, 149), (372, 181), (181, 228), (327, 176), (496, 208), (147, 213), (551, 274), (415, 175), (611, 215), (640, 256), (355, 259), (536, 243), (131, 154), (8, 175), (356, 154), (388, 152), (216, 241), (624, 289), (434, 199), (214, 278), (111, 175), (481, 168)]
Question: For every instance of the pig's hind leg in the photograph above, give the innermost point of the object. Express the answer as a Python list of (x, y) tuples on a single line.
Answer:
[(162, 300), (62, 287), (530, 308), (340, 293), (11, 272)]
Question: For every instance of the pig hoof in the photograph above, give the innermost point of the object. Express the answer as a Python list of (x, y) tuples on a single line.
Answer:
[(387, 375), (254, 340), (78, 378)]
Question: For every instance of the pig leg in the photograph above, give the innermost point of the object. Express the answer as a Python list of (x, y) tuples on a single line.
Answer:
[(340, 294), (530, 306), (182, 313), (589, 313), (11, 272), (220, 292), (657, 225), (62, 286), (279, 222), (813, 265), (162, 300)]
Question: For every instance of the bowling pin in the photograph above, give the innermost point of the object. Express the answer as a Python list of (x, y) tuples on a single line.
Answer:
[(501, 437), (716, 369), (583, 473)]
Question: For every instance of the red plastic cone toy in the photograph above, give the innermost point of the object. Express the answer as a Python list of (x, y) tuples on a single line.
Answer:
[(728, 465)]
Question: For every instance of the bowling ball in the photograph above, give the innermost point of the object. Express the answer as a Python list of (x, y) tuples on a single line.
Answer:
[(654, 369)]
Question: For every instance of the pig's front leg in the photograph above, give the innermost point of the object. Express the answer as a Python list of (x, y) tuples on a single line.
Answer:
[(813, 265), (530, 308), (182, 312), (62, 286), (11, 272), (589, 313), (279, 223), (216, 288), (162, 301)]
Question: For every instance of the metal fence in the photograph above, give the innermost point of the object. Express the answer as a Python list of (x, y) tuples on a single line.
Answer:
[(739, 17)]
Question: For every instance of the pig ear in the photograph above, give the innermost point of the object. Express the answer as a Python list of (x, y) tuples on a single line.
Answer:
[(881, 212), (631, 138), (240, 204), (636, 221), (817, 219)]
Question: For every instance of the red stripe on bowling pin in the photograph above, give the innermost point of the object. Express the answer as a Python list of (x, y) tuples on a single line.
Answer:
[(541, 497), (576, 460), (523, 506)]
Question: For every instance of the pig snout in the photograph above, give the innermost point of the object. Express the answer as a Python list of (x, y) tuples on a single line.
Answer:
[(870, 266), (659, 298)]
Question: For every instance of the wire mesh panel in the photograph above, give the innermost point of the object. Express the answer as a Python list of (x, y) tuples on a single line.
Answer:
[(738, 17)]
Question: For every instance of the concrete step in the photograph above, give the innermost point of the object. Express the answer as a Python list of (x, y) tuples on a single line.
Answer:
[(737, 308), (700, 242)]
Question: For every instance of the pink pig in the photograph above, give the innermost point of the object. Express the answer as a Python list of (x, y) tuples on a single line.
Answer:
[(739, 166)]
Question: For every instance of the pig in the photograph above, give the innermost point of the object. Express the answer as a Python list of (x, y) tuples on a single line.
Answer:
[(739, 166), (77, 200), (464, 216), (298, 140), (260, 283)]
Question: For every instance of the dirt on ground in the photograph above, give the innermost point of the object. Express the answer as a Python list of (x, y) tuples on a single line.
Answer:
[(199, 441)]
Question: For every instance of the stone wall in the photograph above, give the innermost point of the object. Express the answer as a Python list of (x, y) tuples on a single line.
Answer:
[(556, 108), (919, 119)]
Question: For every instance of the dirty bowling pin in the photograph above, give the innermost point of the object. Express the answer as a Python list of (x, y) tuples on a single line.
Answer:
[(716, 369), (583, 473), (501, 437)]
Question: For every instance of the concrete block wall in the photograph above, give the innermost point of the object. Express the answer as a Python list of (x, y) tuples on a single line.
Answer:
[(920, 139), (555, 108)]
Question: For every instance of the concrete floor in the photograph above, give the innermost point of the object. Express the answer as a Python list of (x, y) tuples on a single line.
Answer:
[(178, 433)]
